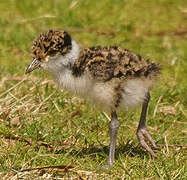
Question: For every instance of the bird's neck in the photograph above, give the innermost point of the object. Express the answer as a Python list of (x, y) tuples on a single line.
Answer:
[(62, 70), (73, 55), (63, 63)]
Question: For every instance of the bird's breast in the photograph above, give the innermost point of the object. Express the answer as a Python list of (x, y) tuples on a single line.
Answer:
[(77, 85)]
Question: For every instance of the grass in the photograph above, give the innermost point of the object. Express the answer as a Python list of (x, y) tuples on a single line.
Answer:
[(64, 136)]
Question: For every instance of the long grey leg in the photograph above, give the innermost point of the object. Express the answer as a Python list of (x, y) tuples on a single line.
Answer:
[(113, 130), (142, 132)]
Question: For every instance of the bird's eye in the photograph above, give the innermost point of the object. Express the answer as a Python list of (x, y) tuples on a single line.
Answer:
[(52, 53)]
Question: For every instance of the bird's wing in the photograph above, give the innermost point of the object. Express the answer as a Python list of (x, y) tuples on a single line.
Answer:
[(105, 63)]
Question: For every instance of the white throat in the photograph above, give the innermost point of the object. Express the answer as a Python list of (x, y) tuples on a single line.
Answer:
[(73, 55), (61, 63)]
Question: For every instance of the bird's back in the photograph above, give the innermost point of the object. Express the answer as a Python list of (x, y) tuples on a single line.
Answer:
[(106, 63)]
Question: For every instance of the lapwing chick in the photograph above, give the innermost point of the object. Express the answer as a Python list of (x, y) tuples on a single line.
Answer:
[(112, 78)]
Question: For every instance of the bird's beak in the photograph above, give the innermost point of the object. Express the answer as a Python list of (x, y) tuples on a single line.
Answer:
[(35, 64)]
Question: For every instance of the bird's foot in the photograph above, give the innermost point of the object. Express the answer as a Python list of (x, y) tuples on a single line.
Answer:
[(143, 134), (107, 166)]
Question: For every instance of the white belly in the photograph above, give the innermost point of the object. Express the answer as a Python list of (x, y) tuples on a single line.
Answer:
[(103, 94), (133, 94)]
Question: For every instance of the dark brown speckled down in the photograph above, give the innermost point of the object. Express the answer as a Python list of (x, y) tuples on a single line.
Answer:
[(105, 63), (101, 63), (51, 42)]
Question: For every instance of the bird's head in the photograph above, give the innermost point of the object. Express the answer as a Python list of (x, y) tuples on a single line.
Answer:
[(49, 46)]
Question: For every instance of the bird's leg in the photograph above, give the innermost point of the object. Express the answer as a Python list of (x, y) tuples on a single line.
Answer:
[(113, 130), (142, 132)]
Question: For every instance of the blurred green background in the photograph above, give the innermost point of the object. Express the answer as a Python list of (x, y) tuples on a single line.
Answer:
[(31, 107)]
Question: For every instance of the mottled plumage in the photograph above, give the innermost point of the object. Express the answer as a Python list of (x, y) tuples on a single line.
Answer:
[(110, 77), (105, 63), (51, 42)]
